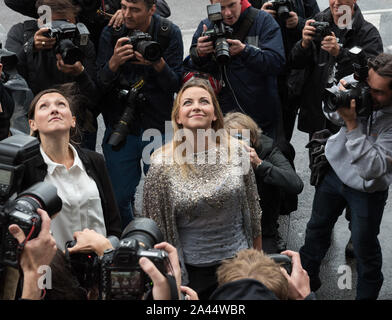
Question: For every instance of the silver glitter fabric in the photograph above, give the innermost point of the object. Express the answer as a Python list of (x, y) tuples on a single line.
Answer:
[(216, 197)]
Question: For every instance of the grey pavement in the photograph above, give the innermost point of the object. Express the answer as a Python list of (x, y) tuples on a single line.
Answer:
[(187, 14)]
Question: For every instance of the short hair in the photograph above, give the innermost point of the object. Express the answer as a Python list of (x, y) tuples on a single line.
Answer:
[(235, 120), (148, 3), (254, 264), (60, 6), (382, 65)]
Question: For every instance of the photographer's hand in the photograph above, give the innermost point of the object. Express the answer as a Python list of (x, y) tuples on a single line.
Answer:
[(161, 289), (121, 54), (37, 252), (204, 47), (90, 241), (308, 33), (41, 42), (265, 8), (292, 22), (330, 44), (254, 158), (349, 115), (190, 294), (72, 69), (157, 65), (299, 283), (236, 46), (117, 20)]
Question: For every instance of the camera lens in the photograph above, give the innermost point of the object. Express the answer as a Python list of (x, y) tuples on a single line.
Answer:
[(222, 51), (143, 230), (283, 13), (69, 52), (150, 50)]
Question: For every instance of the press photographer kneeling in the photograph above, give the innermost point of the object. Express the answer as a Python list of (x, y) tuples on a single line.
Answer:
[(360, 174)]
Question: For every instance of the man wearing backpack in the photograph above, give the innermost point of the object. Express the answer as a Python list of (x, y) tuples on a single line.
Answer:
[(120, 66), (256, 58)]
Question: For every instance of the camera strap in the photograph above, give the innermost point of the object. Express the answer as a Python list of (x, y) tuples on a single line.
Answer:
[(20, 246), (246, 24), (173, 287)]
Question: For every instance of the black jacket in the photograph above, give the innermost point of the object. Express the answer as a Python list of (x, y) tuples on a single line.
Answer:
[(7, 104), (94, 164), (320, 65)]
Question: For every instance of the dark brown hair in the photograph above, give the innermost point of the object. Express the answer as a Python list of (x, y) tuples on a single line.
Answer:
[(148, 3), (75, 135), (60, 6), (382, 65)]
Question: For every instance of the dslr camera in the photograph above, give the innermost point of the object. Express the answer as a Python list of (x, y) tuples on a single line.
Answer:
[(69, 39), (142, 43), (218, 34), (117, 273), (17, 156), (323, 29), (131, 98), (283, 260), (282, 8), (357, 88)]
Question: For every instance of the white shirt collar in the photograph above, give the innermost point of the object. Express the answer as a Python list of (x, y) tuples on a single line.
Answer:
[(53, 165)]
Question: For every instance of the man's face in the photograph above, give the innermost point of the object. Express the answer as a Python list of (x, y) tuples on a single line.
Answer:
[(334, 6), (136, 15), (231, 10), (380, 89)]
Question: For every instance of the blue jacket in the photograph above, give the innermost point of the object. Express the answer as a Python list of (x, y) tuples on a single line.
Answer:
[(159, 88), (253, 73)]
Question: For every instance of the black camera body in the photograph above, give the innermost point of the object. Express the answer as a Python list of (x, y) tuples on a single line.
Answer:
[(218, 33), (130, 98), (143, 43), (323, 29), (283, 260), (69, 38), (17, 155), (357, 88), (118, 274), (282, 8)]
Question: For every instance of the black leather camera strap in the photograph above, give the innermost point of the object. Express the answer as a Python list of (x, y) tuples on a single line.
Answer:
[(246, 24)]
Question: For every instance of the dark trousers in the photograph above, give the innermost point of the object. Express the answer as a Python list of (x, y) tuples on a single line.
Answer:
[(203, 280), (330, 199)]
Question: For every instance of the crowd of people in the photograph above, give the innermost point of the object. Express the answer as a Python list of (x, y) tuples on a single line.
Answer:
[(218, 180)]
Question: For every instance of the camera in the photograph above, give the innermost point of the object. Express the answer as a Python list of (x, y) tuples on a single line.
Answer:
[(323, 29), (357, 88), (17, 155), (283, 260), (142, 43), (118, 274), (218, 33), (130, 98), (69, 38), (282, 8)]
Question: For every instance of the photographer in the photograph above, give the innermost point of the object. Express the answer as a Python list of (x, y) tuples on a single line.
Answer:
[(360, 174), (256, 57), (121, 65), (323, 54), (43, 67), (6, 109), (253, 275)]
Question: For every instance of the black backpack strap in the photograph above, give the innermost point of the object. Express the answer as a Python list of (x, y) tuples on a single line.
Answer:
[(164, 33), (246, 24)]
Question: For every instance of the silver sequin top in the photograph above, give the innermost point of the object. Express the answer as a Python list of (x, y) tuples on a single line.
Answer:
[(217, 205)]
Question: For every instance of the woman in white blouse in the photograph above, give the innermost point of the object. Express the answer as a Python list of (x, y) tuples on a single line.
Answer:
[(80, 175)]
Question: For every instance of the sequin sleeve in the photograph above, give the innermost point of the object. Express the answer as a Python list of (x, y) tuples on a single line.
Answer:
[(253, 203)]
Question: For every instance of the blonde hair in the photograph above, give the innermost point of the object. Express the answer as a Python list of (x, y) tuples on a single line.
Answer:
[(170, 149), (238, 120), (254, 264)]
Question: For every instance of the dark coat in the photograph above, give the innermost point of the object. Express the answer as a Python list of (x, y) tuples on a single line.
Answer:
[(94, 164), (7, 104), (319, 66)]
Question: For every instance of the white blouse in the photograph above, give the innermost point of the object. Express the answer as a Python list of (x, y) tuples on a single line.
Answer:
[(81, 202)]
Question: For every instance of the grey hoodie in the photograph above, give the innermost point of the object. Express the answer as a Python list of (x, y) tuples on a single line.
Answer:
[(363, 162)]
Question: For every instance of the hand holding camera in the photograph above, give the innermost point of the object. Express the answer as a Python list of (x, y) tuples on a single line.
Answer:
[(204, 44), (308, 33), (73, 69), (123, 52), (37, 252), (292, 20), (41, 41), (90, 241), (299, 283), (330, 44)]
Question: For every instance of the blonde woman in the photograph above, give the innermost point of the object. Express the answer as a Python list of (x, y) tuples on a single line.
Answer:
[(194, 191)]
